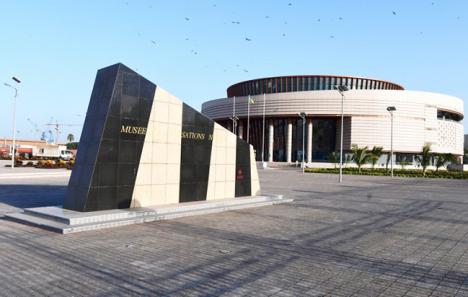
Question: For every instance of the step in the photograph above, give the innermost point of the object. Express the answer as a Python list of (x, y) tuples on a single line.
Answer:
[(66, 221)]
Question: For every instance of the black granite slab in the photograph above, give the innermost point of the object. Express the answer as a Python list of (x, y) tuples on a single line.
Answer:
[(243, 176), (111, 141), (196, 149)]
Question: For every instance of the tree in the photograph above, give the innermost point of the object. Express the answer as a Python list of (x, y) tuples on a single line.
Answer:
[(440, 161), (360, 156), (375, 154), (334, 157), (425, 158), (70, 137)]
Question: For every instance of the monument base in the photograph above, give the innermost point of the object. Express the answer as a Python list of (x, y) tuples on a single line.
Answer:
[(66, 221)]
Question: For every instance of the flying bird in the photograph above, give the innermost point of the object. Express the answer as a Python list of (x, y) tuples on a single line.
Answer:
[(332, 36), (235, 22), (248, 39), (340, 18), (290, 4), (394, 13), (318, 20), (153, 42), (187, 19), (245, 70)]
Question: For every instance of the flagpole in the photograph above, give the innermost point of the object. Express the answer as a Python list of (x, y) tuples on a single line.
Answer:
[(248, 119), (263, 130)]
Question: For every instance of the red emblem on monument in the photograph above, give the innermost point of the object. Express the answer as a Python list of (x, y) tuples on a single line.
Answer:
[(239, 174)]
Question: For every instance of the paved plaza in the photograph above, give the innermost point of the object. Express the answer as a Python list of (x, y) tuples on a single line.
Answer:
[(370, 236)]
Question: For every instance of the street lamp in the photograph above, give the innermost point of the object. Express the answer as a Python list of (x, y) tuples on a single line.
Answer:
[(391, 109), (234, 120), (303, 116), (13, 153), (341, 89)]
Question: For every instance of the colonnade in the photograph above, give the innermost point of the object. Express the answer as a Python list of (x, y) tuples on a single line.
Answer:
[(289, 133)]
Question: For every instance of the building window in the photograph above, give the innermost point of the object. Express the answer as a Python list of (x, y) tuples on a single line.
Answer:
[(448, 116), (332, 82)]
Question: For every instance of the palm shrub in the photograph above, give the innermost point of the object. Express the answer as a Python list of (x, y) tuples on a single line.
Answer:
[(360, 156), (334, 157), (425, 158), (375, 154)]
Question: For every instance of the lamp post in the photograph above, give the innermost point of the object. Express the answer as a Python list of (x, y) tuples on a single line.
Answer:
[(234, 120), (263, 133), (391, 109), (303, 116), (13, 153), (341, 89)]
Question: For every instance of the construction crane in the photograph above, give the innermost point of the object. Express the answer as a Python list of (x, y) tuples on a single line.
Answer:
[(57, 126), (36, 127)]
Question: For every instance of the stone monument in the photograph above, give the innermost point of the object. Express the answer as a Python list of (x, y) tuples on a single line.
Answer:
[(144, 155)]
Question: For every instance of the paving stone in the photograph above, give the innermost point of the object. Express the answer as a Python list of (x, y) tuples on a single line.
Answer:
[(369, 236)]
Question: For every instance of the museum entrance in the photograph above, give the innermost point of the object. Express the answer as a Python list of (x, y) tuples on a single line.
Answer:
[(323, 139)]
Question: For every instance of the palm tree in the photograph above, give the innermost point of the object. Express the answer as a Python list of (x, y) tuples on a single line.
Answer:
[(360, 156), (334, 157), (70, 137), (375, 154), (425, 158), (440, 161)]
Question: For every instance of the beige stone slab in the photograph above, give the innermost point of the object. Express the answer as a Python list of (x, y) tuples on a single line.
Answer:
[(173, 153), (173, 173), (175, 114), (158, 174), (219, 190), (220, 172), (158, 195), (174, 133), (161, 112), (172, 193), (160, 132), (146, 153), (159, 153)]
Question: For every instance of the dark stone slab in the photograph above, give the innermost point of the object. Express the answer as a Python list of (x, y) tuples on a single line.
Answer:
[(111, 141)]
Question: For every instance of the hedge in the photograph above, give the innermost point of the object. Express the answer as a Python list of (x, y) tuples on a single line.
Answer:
[(396, 172)]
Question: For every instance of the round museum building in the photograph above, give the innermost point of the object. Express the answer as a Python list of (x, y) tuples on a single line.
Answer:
[(272, 111)]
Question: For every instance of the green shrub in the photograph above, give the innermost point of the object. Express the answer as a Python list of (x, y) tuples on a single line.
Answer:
[(396, 172)]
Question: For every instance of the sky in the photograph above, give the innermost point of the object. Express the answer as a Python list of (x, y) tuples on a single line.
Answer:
[(196, 49)]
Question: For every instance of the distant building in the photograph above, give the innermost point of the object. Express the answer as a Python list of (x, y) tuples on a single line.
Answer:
[(30, 148), (420, 117)]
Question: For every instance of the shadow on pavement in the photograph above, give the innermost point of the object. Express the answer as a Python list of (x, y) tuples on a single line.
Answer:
[(25, 196)]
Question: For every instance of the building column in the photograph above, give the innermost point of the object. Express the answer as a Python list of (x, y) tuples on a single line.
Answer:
[(271, 131), (289, 142), (240, 129), (309, 140)]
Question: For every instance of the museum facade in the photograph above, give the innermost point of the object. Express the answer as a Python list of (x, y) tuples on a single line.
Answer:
[(420, 117)]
